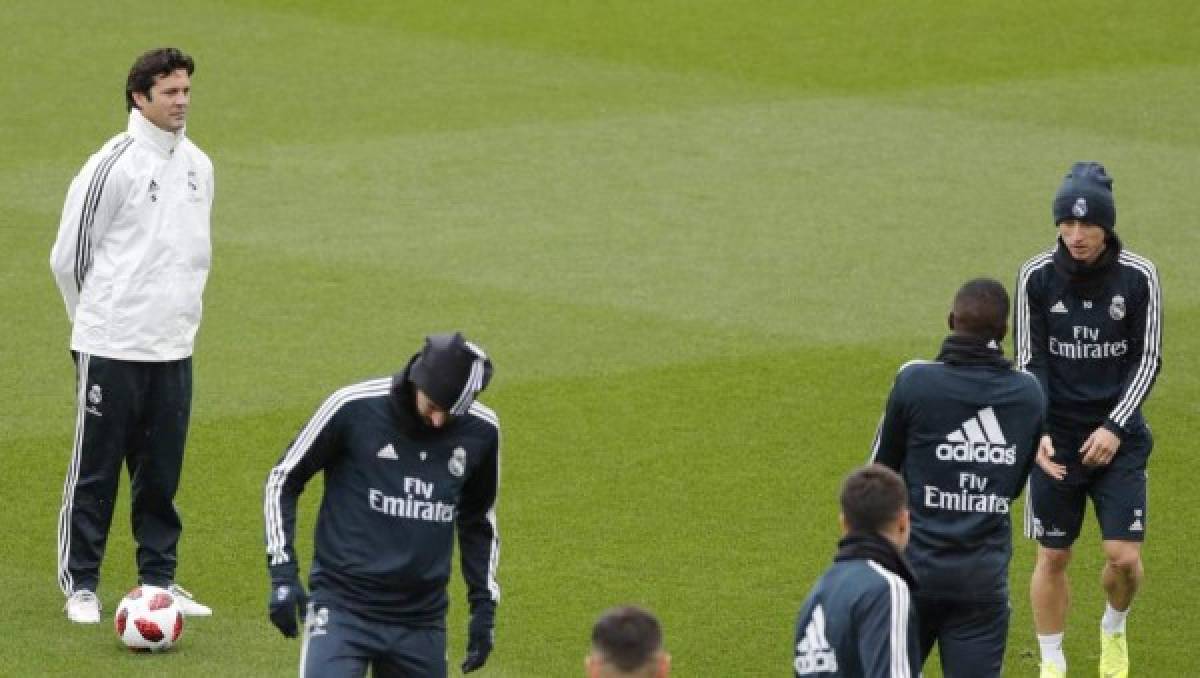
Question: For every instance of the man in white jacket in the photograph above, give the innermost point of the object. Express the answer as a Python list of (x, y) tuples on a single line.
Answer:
[(131, 259)]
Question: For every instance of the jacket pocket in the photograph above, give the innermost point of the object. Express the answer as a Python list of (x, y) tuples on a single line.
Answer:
[(187, 292), (94, 313)]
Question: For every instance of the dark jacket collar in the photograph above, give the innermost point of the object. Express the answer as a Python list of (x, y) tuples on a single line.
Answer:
[(964, 350), (858, 545), (1085, 277)]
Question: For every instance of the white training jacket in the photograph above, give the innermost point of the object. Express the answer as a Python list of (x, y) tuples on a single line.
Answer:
[(133, 251)]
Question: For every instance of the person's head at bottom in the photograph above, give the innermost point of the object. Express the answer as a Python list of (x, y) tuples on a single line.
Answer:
[(875, 502), (627, 642)]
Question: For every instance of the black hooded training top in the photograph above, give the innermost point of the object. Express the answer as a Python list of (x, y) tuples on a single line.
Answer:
[(395, 491), (1092, 335)]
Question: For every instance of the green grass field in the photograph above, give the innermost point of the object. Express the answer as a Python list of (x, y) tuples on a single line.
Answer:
[(698, 238)]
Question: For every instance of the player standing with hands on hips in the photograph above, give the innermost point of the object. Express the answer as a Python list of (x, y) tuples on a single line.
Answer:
[(408, 461), (1089, 325), (131, 260)]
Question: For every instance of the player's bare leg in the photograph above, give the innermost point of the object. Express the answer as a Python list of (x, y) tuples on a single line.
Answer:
[(1050, 596), (1122, 573), (1121, 577), (1049, 592)]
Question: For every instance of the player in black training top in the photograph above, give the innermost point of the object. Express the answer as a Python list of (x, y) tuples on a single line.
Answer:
[(1089, 324), (858, 621), (963, 430), (408, 460)]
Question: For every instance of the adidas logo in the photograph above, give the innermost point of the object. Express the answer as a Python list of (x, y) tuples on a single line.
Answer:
[(1137, 526), (979, 439), (1058, 307), (813, 654), (387, 452)]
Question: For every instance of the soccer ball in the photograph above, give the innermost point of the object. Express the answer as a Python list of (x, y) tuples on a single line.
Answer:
[(148, 619)]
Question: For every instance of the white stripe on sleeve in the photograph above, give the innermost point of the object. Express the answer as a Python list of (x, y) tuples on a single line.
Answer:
[(898, 636), (1139, 386), (272, 509)]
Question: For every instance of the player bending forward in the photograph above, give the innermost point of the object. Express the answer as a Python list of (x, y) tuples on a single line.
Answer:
[(408, 460)]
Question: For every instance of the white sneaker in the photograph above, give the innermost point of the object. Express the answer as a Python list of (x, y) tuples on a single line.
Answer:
[(188, 605), (83, 607)]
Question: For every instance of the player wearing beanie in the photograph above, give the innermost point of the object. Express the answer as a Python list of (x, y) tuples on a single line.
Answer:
[(1088, 324), (409, 461)]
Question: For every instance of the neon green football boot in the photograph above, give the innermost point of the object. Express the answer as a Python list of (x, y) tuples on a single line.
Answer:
[(1114, 656)]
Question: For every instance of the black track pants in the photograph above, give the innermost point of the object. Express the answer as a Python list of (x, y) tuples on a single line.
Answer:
[(136, 413)]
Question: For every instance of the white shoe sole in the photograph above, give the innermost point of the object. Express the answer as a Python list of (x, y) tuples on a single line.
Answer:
[(195, 610)]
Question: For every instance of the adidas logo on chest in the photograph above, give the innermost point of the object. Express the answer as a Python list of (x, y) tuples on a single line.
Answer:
[(978, 439)]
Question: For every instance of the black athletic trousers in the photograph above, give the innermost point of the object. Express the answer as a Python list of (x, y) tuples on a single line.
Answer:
[(338, 643), (136, 413)]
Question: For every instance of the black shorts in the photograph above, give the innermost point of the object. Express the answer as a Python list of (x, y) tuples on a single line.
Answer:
[(1118, 492), (341, 644), (970, 635)]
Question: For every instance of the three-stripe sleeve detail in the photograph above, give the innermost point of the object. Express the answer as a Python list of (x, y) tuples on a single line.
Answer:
[(485, 413), (898, 625), (272, 507), (878, 436), (1024, 351), (1147, 368), (877, 442), (87, 215)]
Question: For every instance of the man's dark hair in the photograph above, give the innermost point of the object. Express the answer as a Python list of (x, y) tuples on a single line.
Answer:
[(151, 65), (627, 637), (872, 498), (981, 309)]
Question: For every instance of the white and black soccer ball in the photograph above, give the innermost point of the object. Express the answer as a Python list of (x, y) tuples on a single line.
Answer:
[(149, 619)]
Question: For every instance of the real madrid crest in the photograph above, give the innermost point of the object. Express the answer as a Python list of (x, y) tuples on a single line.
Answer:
[(1116, 310), (1079, 209), (95, 395), (458, 462)]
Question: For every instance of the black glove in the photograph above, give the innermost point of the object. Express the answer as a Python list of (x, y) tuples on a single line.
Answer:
[(287, 604), (479, 640)]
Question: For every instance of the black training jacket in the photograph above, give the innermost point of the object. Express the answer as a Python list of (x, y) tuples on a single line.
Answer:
[(858, 620), (963, 431), (1091, 335), (394, 496)]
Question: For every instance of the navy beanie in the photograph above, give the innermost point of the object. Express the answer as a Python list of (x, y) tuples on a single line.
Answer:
[(451, 371), (1086, 195)]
